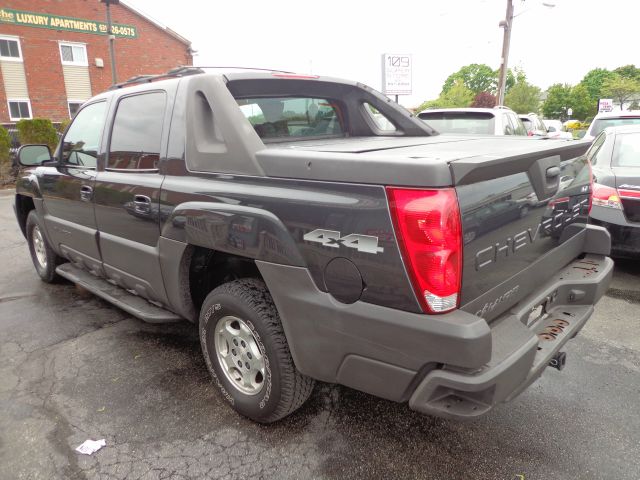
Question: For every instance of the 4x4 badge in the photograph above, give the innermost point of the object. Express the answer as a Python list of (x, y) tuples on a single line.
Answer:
[(331, 238)]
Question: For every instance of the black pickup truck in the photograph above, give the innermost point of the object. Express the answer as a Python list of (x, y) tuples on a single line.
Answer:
[(315, 230)]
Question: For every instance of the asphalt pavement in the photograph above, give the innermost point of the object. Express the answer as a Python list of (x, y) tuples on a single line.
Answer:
[(72, 367)]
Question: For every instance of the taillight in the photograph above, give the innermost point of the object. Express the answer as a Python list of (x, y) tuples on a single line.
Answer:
[(604, 196), (427, 224)]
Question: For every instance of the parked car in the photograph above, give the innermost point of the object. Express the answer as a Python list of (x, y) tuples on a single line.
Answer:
[(615, 157), (306, 242), (555, 129), (611, 119), (534, 125), (476, 121)]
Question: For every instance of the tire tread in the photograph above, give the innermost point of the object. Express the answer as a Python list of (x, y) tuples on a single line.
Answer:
[(295, 387)]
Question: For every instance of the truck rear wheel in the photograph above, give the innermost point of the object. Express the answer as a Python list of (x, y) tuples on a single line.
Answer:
[(44, 258), (247, 353)]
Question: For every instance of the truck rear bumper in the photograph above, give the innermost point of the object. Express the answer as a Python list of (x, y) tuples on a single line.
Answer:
[(455, 393), (451, 365)]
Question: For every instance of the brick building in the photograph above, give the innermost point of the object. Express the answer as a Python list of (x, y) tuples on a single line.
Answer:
[(54, 54)]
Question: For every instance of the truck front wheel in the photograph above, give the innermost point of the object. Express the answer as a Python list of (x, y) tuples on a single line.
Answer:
[(247, 353), (44, 258)]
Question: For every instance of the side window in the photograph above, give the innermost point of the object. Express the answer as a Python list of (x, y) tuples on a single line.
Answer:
[(137, 132), (592, 153), (80, 144), (382, 123), (508, 124), (518, 126)]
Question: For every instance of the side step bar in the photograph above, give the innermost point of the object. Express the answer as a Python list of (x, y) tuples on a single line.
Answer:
[(136, 306)]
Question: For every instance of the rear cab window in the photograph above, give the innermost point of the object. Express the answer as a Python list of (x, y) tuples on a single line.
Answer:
[(481, 123), (599, 124), (290, 118), (137, 132)]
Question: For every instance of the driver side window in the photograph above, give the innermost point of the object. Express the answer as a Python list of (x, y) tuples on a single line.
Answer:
[(81, 142)]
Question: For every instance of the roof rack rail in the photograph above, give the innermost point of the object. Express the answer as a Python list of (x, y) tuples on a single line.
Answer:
[(502, 107), (173, 73), (184, 71), (252, 68)]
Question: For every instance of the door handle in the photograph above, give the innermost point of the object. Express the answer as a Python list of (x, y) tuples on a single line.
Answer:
[(86, 192), (142, 203)]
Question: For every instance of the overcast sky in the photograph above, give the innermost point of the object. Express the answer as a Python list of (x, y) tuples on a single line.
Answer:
[(346, 38)]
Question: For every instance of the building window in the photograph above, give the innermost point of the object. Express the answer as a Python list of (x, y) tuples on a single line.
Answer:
[(74, 54), (74, 106), (19, 108), (10, 49)]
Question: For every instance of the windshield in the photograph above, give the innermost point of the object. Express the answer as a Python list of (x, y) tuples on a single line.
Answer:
[(281, 118), (627, 150), (600, 124), (482, 123)]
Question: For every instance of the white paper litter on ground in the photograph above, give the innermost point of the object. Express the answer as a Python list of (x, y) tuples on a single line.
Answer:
[(91, 446)]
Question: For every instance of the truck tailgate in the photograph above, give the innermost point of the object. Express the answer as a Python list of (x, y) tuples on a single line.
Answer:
[(523, 218)]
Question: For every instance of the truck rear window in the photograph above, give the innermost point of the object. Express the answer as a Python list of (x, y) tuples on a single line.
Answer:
[(599, 124), (480, 123), (282, 118)]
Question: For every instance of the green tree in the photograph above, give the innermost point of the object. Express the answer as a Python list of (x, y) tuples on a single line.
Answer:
[(581, 103), (628, 71), (477, 77), (523, 97), (457, 96), (634, 105), (594, 80), (621, 89), (558, 101)]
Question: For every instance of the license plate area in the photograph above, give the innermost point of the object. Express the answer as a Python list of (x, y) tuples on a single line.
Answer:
[(539, 312)]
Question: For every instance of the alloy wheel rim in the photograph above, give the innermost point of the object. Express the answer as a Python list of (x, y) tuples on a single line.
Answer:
[(38, 247), (239, 356)]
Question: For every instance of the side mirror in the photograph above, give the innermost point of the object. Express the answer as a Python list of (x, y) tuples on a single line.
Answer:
[(31, 155)]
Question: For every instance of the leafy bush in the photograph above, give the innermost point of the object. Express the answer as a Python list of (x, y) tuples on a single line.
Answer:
[(5, 155), (38, 130), (62, 126)]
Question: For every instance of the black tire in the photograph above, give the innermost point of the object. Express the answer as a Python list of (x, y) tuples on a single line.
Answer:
[(47, 268), (284, 389)]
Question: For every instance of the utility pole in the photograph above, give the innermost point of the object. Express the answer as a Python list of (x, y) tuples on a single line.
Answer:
[(506, 40), (112, 55)]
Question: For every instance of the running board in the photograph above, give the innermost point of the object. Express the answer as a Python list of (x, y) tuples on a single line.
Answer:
[(133, 304)]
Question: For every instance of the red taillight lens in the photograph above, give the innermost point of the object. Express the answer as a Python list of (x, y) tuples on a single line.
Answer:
[(427, 224), (604, 196)]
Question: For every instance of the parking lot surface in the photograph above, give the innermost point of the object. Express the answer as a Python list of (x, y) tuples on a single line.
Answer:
[(72, 367)]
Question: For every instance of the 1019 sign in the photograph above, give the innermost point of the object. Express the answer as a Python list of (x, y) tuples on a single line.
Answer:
[(396, 74)]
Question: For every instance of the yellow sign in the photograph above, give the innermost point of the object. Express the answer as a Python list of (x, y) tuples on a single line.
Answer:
[(69, 24)]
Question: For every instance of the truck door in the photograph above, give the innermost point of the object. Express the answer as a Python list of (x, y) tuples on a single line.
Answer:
[(67, 189), (126, 199)]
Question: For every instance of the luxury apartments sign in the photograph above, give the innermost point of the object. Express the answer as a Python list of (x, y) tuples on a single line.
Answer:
[(69, 24)]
